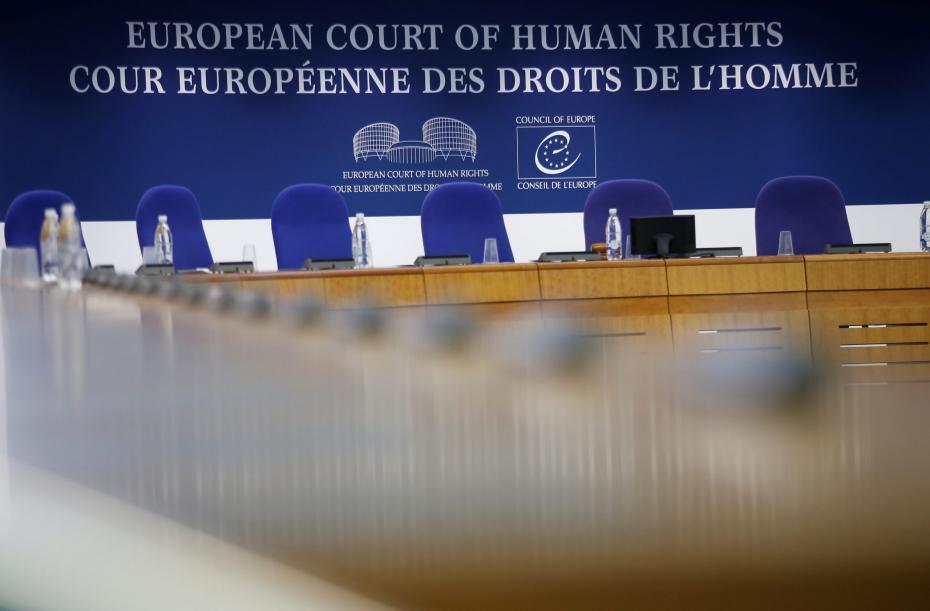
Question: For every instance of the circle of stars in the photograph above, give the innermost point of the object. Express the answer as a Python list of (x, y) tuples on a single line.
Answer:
[(555, 160)]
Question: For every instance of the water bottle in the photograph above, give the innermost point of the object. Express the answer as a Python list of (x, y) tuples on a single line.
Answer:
[(48, 244), (924, 229), (164, 244), (361, 245), (614, 237), (70, 257)]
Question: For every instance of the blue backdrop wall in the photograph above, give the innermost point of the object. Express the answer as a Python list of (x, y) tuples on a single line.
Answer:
[(832, 88)]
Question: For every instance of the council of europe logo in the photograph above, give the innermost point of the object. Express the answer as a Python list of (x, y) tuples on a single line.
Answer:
[(552, 152), (442, 137)]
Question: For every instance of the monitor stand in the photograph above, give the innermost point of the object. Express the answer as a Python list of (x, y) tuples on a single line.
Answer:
[(663, 244)]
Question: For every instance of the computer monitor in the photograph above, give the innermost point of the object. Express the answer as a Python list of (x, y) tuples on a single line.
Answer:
[(663, 236)]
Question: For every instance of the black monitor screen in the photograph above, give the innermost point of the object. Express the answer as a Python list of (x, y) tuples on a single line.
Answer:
[(662, 235)]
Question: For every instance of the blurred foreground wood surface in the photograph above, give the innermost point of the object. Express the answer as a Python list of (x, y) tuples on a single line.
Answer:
[(577, 449)]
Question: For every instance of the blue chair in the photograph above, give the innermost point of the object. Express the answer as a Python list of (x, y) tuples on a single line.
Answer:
[(310, 222), (191, 249), (811, 207), (25, 216), (457, 217), (630, 198)]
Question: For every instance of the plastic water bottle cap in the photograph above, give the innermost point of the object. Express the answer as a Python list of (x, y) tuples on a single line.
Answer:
[(612, 211), (67, 209), (360, 215), (162, 218), (51, 214)]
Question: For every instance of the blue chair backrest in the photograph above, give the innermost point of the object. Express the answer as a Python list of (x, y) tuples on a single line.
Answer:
[(191, 249), (310, 222), (457, 217), (25, 216), (811, 207), (630, 198)]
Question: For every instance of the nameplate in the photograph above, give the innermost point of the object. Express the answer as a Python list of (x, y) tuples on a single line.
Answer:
[(155, 269), (569, 256), (322, 264), (721, 251), (857, 249), (233, 267), (442, 260)]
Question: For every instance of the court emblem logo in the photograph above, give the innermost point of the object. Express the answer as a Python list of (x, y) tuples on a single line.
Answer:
[(443, 137), (553, 153), (549, 152)]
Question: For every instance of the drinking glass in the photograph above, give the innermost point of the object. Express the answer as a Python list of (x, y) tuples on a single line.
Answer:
[(248, 254), (628, 249), (490, 251), (6, 265), (148, 255), (785, 244), (21, 266)]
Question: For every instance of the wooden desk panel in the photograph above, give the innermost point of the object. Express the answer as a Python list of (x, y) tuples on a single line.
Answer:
[(285, 284), (868, 272), (637, 323), (494, 318), (384, 287), (602, 279), (491, 311), (735, 276), (891, 373), (870, 336), (481, 283), (741, 323)]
